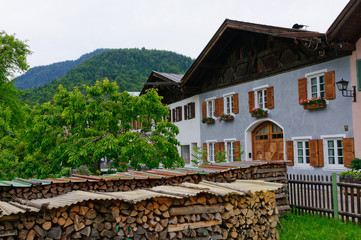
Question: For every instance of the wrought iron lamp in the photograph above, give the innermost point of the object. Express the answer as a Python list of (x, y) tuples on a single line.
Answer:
[(342, 86)]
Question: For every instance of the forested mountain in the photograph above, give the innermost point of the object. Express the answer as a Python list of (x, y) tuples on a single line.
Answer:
[(128, 67), (38, 76)]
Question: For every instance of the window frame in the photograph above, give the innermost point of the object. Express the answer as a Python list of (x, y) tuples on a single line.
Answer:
[(212, 114), (226, 142), (189, 148), (211, 156), (228, 105), (262, 89), (335, 138), (317, 75)]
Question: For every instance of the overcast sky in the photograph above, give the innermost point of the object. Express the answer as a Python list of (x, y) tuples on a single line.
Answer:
[(59, 30)]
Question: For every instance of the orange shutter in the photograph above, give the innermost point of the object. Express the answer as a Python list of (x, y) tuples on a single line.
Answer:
[(313, 153), (320, 153), (270, 100), (250, 100), (237, 148), (289, 153), (219, 108), (235, 103), (348, 151), (302, 89), (139, 124), (206, 153), (330, 85), (204, 110), (316, 153)]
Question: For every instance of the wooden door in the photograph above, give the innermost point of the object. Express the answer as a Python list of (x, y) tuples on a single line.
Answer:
[(267, 142)]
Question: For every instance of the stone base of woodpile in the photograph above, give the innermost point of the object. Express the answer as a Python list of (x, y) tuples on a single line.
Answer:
[(205, 215)]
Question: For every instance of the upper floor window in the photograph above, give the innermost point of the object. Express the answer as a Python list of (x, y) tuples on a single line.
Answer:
[(189, 111), (316, 85), (210, 108), (177, 114), (261, 100), (228, 104)]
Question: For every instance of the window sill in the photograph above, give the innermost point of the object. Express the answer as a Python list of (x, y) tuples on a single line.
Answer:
[(303, 167), (336, 168)]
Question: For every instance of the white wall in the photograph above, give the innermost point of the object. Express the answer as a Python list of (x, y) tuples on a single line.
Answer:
[(189, 130)]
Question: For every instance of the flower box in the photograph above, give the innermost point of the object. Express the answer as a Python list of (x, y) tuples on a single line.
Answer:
[(259, 112), (263, 114), (314, 103), (226, 118), (314, 106), (208, 120)]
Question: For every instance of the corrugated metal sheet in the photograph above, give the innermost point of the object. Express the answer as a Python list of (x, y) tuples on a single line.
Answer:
[(239, 187), (149, 174)]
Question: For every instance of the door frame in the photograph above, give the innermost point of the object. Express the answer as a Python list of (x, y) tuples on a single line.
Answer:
[(248, 137)]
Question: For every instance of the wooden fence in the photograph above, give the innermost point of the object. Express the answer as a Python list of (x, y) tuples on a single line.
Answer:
[(324, 196)]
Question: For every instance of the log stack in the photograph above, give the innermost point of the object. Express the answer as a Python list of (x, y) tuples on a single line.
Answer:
[(189, 212)]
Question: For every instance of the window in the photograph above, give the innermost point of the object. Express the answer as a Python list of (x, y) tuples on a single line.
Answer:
[(185, 153), (261, 98), (210, 108), (334, 152), (228, 104), (230, 151), (302, 152), (189, 111), (211, 152), (316, 84), (177, 114)]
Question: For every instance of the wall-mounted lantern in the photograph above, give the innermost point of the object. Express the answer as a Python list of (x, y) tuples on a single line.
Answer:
[(342, 86)]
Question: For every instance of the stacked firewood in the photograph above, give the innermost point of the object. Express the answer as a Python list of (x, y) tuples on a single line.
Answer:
[(269, 172), (204, 216)]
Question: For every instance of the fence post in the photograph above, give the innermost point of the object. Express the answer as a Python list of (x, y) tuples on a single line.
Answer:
[(334, 195)]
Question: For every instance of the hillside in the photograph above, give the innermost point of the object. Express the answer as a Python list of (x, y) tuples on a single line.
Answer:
[(128, 67), (38, 76)]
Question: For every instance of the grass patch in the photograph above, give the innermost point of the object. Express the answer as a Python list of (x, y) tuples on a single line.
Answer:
[(317, 227)]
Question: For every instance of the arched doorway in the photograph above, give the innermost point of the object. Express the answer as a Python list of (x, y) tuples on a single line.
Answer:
[(267, 142)]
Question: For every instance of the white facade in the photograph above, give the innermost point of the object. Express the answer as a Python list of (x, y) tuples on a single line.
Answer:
[(189, 134)]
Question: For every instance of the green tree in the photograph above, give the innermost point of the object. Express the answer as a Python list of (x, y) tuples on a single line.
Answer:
[(13, 53), (80, 129)]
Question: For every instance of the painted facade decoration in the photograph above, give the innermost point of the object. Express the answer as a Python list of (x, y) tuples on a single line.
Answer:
[(269, 93)]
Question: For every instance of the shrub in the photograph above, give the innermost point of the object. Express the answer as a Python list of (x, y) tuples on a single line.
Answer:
[(356, 164)]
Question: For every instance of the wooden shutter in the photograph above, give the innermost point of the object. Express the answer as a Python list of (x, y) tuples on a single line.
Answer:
[(358, 69), (139, 124), (235, 103), (330, 85), (185, 112), (169, 115), (237, 152), (179, 109), (316, 153), (173, 110), (270, 99), (321, 161), (302, 89), (205, 150), (217, 146), (289, 153), (193, 109), (219, 107), (204, 110), (134, 124), (250, 100), (348, 151)]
